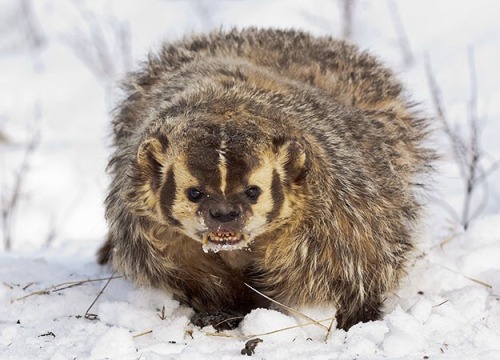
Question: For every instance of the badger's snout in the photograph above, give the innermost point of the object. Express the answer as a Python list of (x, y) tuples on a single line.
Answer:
[(224, 212)]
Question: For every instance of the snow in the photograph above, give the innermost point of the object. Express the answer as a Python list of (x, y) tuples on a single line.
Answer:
[(448, 307)]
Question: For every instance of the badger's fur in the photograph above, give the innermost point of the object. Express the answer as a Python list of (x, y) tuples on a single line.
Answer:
[(270, 158)]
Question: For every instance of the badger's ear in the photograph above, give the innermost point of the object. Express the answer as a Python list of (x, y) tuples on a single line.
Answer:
[(151, 159), (292, 155)]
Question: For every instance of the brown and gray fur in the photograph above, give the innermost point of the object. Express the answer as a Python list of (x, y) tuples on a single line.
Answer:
[(322, 129)]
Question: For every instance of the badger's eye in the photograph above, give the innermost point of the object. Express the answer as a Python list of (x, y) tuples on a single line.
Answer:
[(253, 192), (194, 194)]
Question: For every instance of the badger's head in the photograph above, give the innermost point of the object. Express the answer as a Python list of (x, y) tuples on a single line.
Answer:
[(221, 182)]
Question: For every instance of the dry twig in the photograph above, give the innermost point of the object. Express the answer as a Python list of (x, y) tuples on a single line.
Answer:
[(142, 334), (62, 286), (469, 278), (245, 337), (330, 328), (90, 316), (162, 315), (442, 303)]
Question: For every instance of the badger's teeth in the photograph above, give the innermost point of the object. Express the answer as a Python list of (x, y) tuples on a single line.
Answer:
[(226, 238)]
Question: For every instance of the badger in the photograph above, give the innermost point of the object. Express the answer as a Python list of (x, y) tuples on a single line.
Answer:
[(263, 164)]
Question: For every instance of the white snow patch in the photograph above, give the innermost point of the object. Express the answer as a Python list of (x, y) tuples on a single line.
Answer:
[(262, 321), (116, 343), (405, 334)]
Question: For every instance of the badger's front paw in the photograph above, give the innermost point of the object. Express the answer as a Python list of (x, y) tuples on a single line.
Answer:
[(220, 320)]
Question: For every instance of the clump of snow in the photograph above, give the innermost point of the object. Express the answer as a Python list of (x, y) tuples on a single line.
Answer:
[(315, 332), (421, 310), (115, 343), (263, 321), (364, 340), (405, 334), (172, 331), (143, 309)]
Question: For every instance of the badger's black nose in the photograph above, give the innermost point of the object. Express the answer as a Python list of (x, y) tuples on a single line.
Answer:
[(224, 212)]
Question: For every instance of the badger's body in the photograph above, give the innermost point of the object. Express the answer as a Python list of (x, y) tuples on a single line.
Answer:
[(270, 158)]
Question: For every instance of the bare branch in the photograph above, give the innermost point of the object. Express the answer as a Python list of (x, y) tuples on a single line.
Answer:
[(482, 204), (35, 37), (10, 198), (104, 46), (458, 145), (490, 170), (466, 152), (473, 149), (347, 18), (404, 43), (20, 28)]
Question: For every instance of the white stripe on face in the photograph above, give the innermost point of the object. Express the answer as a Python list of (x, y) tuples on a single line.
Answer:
[(223, 163)]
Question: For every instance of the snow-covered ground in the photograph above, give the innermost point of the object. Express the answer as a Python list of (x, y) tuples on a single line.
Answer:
[(61, 91)]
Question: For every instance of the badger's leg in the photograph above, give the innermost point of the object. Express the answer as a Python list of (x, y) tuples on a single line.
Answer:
[(220, 320), (220, 299), (349, 315), (225, 313), (104, 252)]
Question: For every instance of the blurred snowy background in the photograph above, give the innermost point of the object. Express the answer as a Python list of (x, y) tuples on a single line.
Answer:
[(61, 61), (60, 64)]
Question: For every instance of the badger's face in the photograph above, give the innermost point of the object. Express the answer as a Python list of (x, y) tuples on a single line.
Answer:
[(223, 185)]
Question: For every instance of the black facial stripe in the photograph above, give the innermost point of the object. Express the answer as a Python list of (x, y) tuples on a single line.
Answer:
[(203, 158), (203, 165), (240, 161), (162, 138), (238, 171), (167, 197), (277, 195)]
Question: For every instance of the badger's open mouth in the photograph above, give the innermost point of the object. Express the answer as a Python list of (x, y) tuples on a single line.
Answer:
[(225, 237), (223, 240)]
